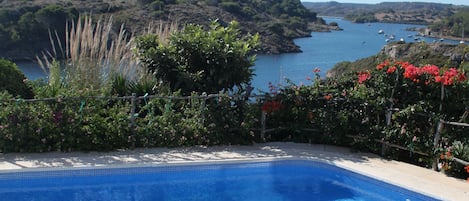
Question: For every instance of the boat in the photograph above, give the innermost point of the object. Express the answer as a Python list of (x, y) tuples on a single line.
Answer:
[(380, 31)]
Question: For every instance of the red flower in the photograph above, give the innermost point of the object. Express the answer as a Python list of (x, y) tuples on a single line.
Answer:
[(328, 97), (462, 77), (403, 64), (412, 72), (363, 76), (467, 168), (271, 106), (382, 65), (448, 154), (431, 70), (450, 77), (391, 69)]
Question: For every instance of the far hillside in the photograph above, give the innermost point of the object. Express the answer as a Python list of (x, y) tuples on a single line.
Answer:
[(25, 25), (397, 12), (456, 26)]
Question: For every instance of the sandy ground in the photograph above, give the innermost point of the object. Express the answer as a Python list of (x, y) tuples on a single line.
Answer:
[(416, 178)]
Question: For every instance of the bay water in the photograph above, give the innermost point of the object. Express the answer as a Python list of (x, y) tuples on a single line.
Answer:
[(323, 50)]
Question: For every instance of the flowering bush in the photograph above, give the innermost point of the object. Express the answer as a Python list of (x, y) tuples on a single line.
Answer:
[(419, 97), (397, 102), (426, 74), (271, 106)]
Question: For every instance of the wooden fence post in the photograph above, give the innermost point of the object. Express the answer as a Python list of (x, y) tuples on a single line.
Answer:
[(263, 119), (436, 142), (203, 107), (133, 106), (383, 147), (388, 117)]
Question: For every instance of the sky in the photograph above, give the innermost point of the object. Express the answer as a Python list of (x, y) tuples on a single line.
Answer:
[(455, 2)]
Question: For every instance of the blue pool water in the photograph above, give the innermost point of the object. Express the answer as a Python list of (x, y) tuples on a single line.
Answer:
[(271, 181)]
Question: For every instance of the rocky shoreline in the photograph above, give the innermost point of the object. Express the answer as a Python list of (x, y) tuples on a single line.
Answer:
[(277, 33)]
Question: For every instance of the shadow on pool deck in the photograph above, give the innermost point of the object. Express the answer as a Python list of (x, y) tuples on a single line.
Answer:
[(407, 175), (188, 154)]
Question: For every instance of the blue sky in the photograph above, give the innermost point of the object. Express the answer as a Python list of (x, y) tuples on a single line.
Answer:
[(455, 2)]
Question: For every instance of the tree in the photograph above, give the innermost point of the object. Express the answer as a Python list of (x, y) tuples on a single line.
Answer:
[(195, 59), (12, 80)]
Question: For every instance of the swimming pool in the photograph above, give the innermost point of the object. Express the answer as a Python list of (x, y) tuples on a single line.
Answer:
[(274, 180)]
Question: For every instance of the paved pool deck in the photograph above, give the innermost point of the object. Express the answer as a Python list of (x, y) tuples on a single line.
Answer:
[(412, 177)]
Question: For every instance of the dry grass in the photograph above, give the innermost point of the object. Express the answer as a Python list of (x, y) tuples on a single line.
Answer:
[(94, 55), (162, 30)]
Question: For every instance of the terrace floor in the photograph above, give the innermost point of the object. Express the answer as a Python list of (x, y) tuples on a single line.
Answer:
[(412, 177)]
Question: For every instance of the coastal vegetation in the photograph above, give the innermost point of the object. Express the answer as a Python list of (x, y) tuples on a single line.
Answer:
[(440, 54), (443, 20), (13, 81), (456, 26), (25, 25), (185, 85), (196, 60), (392, 12)]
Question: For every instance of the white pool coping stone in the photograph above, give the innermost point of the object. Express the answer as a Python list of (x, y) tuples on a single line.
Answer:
[(422, 180)]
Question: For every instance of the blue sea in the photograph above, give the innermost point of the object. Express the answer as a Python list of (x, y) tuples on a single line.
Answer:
[(323, 50)]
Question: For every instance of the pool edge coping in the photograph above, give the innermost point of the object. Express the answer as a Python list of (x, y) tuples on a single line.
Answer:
[(317, 151)]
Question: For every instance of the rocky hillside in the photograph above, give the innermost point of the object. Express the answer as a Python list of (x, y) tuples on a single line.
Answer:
[(396, 12), (455, 26), (24, 25), (440, 54)]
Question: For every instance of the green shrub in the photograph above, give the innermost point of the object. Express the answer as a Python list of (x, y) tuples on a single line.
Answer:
[(232, 7), (13, 80), (195, 59)]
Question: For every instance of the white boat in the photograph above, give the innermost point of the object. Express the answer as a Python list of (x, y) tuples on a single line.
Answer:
[(380, 31)]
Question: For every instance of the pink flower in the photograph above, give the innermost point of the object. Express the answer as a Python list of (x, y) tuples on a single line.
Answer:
[(363, 76)]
